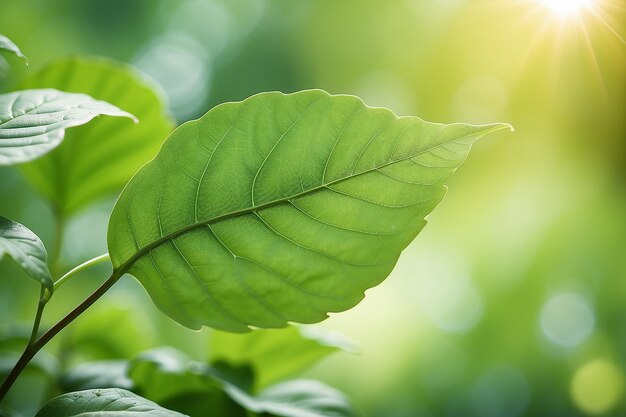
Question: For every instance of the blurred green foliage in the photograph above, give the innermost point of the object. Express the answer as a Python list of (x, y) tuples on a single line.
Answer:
[(510, 302)]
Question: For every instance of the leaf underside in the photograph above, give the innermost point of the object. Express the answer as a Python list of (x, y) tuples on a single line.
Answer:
[(110, 402), (7, 45), (33, 122), (296, 398), (99, 158), (170, 378), (281, 207), (25, 247)]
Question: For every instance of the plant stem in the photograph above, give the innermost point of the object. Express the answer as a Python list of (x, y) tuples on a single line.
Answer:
[(33, 348), (43, 299), (83, 266)]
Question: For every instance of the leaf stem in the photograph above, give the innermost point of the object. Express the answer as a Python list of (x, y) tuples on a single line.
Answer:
[(34, 347), (43, 299), (81, 267)]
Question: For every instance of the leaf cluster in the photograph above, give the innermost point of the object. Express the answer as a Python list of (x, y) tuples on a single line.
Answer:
[(281, 208)]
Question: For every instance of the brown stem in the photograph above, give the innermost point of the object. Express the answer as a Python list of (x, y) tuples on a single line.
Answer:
[(34, 347)]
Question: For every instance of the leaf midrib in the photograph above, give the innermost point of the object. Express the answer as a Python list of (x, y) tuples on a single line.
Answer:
[(126, 265), (35, 107)]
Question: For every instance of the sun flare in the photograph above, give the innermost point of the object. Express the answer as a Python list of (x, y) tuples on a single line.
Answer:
[(564, 8)]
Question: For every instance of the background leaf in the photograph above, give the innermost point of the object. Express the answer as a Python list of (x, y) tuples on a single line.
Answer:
[(171, 378), (110, 330), (98, 374), (112, 402), (276, 354), (33, 122), (38, 380), (25, 247), (298, 398), (281, 207), (100, 158), (7, 45)]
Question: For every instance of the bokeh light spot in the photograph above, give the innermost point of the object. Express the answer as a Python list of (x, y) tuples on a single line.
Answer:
[(567, 319), (597, 386), (180, 65)]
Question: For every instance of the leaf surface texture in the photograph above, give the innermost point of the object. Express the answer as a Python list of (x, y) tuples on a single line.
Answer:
[(281, 208), (33, 122), (25, 247), (110, 402), (98, 159)]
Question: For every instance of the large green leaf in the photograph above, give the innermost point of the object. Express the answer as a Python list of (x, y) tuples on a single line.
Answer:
[(25, 247), (7, 45), (276, 354), (281, 207), (99, 158), (111, 402), (33, 122)]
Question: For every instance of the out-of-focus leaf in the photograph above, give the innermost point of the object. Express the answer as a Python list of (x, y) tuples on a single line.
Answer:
[(100, 374), (114, 329), (25, 247), (100, 158), (297, 398), (32, 389), (281, 207), (111, 402), (174, 380), (8, 411), (199, 404), (276, 354), (166, 372), (7, 45), (33, 122), (43, 363), (169, 377)]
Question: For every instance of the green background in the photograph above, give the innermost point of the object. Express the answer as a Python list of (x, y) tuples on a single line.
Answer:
[(510, 302)]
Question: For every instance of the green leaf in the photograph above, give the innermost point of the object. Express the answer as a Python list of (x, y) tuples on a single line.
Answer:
[(276, 354), (111, 402), (33, 122), (281, 207), (44, 364), (98, 374), (170, 377), (18, 242), (196, 404), (112, 329), (98, 159), (166, 372), (297, 398), (7, 45)]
